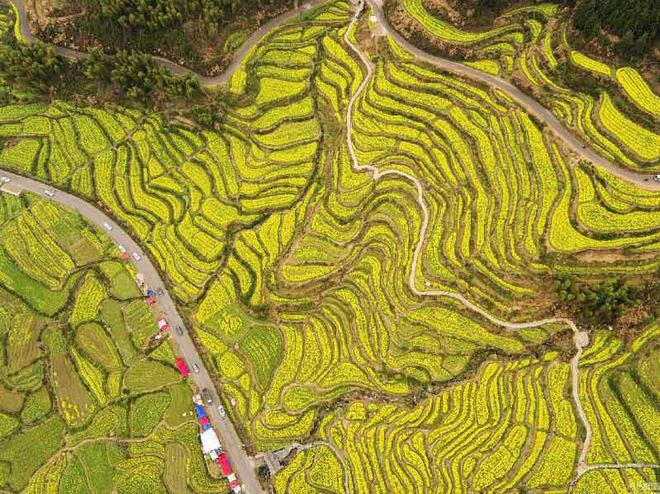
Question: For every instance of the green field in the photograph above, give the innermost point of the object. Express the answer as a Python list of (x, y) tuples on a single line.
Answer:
[(307, 285), (78, 394), (613, 108)]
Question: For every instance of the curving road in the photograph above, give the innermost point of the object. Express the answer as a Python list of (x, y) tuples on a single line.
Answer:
[(231, 443), (580, 338), (532, 106), (640, 178), (228, 435), (175, 68)]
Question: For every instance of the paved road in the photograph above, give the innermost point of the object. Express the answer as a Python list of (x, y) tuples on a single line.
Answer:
[(532, 106), (230, 441), (175, 68), (642, 179)]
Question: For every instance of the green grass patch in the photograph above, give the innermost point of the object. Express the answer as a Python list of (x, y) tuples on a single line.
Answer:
[(146, 375), (146, 412), (30, 449), (37, 405)]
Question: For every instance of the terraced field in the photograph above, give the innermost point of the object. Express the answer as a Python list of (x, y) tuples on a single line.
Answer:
[(616, 112), (88, 401), (325, 240)]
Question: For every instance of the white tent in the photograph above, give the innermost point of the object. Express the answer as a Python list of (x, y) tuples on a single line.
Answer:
[(210, 441)]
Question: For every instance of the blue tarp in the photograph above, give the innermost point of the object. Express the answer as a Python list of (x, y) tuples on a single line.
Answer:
[(206, 427), (150, 293), (199, 410)]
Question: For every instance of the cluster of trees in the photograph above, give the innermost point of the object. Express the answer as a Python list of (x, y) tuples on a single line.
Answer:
[(140, 14), (600, 303), (636, 22), (36, 68), (31, 66), (138, 76), (155, 15)]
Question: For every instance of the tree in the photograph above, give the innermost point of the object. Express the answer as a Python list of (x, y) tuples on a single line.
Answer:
[(601, 303)]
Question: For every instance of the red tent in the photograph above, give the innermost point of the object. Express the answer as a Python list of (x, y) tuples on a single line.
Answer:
[(183, 368), (223, 461)]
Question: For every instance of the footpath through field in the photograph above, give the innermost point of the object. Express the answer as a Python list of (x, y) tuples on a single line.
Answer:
[(231, 443), (641, 179), (580, 338)]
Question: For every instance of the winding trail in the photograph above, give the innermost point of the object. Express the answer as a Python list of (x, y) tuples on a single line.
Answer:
[(584, 151), (580, 338)]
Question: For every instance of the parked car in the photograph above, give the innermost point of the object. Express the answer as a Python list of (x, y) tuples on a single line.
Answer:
[(222, 411), (5, 180), (195, 368), (179, 330), (657, 178), (122, 249), (136, 256), (49, 193), (207, 396), (107, 226), (160, 292)]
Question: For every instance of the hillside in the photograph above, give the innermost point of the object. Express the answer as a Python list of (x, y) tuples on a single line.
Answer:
[(385, 260), (89, 402), (200, 34)]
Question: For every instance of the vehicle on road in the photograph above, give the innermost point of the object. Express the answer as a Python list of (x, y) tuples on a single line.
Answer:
[(160, 292), (136, 256), (5, 180), (49, 193), (122, 249), (182, 366), (222, 411), (107, 226), (162, 324), (179, 330), (207, 396), (195, 368), (656, 178)]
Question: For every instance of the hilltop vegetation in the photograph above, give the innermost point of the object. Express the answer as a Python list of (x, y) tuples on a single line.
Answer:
[(200, 34), (319, 291), (87, 404)]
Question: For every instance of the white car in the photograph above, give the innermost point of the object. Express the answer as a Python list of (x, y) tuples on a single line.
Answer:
[(657, 178), (222, 411), (122, 249), (136, 256), (5, 180), (195, 368), (107, 226), (49, 193)]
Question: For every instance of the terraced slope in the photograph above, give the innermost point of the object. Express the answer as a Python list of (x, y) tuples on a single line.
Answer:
[(313, 279), (88, 402), (513, 425), (531, 48)]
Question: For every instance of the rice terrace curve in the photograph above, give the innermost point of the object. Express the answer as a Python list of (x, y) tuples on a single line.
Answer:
[(392, 246)]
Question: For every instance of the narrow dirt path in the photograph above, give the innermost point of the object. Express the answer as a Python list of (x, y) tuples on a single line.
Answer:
[(580, 338), (584, 151)]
